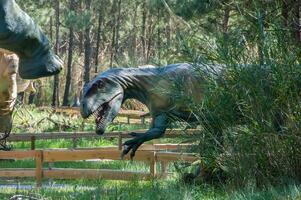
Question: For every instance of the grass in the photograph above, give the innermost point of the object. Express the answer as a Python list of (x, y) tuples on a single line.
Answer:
[(167, 189)]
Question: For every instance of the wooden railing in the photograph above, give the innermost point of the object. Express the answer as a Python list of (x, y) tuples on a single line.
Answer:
[(50, 156), (128, 114), (22, 137)]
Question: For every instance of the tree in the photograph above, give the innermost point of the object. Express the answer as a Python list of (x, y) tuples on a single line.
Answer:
[(56, 82), (70, 55), (87, 43)]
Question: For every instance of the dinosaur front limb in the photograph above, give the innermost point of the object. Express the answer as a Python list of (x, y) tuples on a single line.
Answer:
[(158, 129)]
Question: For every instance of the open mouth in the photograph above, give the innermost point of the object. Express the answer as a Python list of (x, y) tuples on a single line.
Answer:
[(101, 113)]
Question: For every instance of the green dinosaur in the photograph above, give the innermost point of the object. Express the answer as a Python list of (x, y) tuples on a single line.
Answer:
[(154, 87)]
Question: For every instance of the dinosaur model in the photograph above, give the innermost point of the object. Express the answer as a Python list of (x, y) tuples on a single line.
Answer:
[(10, 85), (154, 87), (19, 34)]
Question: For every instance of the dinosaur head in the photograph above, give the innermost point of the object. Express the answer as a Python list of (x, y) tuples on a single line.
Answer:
[(19, 34), (102, 98), (8, 89)]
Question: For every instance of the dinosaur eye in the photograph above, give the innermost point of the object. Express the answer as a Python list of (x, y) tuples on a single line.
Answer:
[(100, 84)]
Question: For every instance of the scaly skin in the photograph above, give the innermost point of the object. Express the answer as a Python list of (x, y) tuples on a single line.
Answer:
[(157, 88), (10, 85), (19, 34)]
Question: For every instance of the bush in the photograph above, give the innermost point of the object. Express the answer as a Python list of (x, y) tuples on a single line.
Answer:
[(250, 115)]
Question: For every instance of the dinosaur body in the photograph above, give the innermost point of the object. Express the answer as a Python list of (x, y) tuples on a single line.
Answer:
[(10, 85), (160, 89), (19, 34)]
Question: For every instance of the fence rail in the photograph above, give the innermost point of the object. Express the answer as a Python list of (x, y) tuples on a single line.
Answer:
[(59, 155), (147, 153), (22, 137), (129, 114)]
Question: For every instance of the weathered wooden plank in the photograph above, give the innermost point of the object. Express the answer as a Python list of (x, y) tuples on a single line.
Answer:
[(134, 114), (18, 155), (72, 155), (95, 174), (170, 156), (71, 135), (144, 147), (16, 173), (49, 136)]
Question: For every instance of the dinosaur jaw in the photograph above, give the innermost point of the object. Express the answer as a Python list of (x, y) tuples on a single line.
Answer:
[(101, 118), (106, 113), (41, 65)]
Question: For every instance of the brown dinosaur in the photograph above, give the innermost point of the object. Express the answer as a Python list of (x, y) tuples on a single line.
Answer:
[(10, 85)]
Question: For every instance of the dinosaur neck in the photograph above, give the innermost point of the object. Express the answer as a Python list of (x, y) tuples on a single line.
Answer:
[(137, 84)]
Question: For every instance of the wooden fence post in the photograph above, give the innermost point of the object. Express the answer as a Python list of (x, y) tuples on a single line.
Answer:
[(33, 142), (74, 140), (153, 164), (119, 142), (39, 167)]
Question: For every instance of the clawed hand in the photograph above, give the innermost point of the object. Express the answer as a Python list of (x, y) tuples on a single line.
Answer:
[(133, 145)]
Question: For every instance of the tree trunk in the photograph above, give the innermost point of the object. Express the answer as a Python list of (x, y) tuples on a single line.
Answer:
[(285, 13), (150, 38), (112, 50), (143, 36), (133, 49), (69, 64), (117, 29), (158, 36), (226, 20), (81, 43), (51, 28), (98, 39), (55, 96), (88, 48), (296, 22)]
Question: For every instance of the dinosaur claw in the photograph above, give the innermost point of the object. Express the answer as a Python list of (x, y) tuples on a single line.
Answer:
[(126, 148), (131, 145), (132, 155)]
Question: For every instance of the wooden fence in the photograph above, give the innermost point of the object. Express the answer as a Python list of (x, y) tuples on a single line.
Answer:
[(50, 156), (146, 153), (21, 137)]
